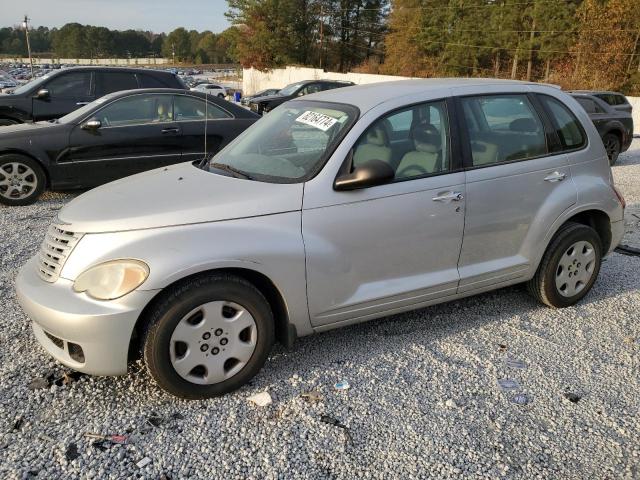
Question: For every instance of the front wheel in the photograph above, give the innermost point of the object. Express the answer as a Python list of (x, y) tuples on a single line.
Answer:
[(612, 146), (569, 267), (22, 180), (208, 336)]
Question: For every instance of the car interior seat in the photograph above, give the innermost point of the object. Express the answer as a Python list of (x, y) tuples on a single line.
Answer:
[(427, 156), (374, 147)]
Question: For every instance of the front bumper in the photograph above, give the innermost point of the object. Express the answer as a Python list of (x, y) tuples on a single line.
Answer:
[(62, 318)]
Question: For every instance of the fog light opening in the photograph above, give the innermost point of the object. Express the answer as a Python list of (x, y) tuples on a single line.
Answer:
[(75, 352)]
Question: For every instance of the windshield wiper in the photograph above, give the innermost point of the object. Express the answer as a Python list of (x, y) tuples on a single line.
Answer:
[(235, 171)]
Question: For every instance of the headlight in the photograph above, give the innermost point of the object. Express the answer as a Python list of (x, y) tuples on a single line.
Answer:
[(111, 280)]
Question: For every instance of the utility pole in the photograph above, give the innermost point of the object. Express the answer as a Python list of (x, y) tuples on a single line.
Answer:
[(321, 32), (173, 52), (635, 47), (25, 24), (531, 37)]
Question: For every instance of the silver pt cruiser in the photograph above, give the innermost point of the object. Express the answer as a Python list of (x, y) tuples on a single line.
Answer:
[(337, 208)]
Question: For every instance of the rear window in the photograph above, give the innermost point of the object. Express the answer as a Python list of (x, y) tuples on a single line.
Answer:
[(149, 81), (565, 122), (612, 98), (109, 82)]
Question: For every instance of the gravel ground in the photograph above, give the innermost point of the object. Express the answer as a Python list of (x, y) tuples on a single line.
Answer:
[(424, 400)]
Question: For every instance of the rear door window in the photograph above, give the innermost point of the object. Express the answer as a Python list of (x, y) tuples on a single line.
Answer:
[(191, 109), (150, 81), (108, 82), (503, 128), (565, 122)]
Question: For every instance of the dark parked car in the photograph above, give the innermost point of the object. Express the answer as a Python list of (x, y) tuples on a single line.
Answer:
[(615, 126), (262, 93), (63, 91), (267, 103), (616, 100), (117, 135)]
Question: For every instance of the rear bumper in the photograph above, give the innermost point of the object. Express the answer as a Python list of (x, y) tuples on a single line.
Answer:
[(617, 232), (62, 317)]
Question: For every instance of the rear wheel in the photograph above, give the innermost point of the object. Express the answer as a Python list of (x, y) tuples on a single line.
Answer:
[(22, 180), (221, 95), (612, 145), (569, 267), (209, 336)]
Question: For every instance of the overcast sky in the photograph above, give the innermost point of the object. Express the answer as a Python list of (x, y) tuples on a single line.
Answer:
[(155, 15)]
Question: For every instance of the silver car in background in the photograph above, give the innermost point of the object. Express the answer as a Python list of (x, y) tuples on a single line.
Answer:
[(336, 208)]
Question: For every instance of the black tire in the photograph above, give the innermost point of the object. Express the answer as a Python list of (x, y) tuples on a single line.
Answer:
[(27, 195), (5, 122), (613, 146), (543, 285), (221, 95), (182, 299)]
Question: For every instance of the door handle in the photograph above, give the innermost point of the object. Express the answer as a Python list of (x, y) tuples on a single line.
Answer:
[(82, 103), (555, 177), (169, 130), (448, 197)]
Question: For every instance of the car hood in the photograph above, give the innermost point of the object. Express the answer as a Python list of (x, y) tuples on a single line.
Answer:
[(181, 194), (267, 98), (22, 130)]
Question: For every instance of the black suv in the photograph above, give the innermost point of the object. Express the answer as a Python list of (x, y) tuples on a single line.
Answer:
[(615, 125), (616, 100), (267, 103), (62, 91)]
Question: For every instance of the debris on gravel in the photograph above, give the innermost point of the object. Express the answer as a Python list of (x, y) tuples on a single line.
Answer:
[(407, 368)]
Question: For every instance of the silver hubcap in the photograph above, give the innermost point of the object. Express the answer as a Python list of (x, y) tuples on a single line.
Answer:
[(575, 268), (17, 180), (213, 342)]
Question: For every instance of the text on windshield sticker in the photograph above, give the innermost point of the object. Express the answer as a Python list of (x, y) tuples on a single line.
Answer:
[(317, 120)]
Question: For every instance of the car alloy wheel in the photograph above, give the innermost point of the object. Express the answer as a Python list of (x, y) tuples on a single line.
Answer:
[(17, 181), (213, 342), (575, 268)]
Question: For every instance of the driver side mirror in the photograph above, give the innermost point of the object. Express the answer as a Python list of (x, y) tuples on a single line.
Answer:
[(369, 174), (92, 124), (43, 94)]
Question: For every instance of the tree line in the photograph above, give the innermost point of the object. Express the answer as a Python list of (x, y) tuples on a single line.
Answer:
[(573, 43), (74, 40)]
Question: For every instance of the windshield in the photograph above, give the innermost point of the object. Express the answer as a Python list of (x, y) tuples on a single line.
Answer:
[(290, 144), (290, 89), (29, 85)]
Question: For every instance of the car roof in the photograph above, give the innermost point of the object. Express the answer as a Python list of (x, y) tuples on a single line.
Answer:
[(112, 69), (369, 95), (595, 92)]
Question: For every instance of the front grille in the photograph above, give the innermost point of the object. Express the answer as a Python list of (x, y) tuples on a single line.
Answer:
[(54, 251)]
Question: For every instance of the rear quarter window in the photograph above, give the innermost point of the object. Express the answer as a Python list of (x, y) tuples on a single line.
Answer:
[(568, 127)]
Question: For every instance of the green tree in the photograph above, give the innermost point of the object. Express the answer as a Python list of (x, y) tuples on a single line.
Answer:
[(177, 42)]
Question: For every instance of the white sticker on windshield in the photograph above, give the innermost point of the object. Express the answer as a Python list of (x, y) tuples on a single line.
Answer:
[(318, 120)]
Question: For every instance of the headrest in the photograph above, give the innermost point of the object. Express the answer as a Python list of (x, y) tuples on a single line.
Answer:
[(376, 136), (426, 137), (523, 125)]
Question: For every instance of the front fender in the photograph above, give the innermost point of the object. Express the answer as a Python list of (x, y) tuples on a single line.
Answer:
[(270, 245)]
